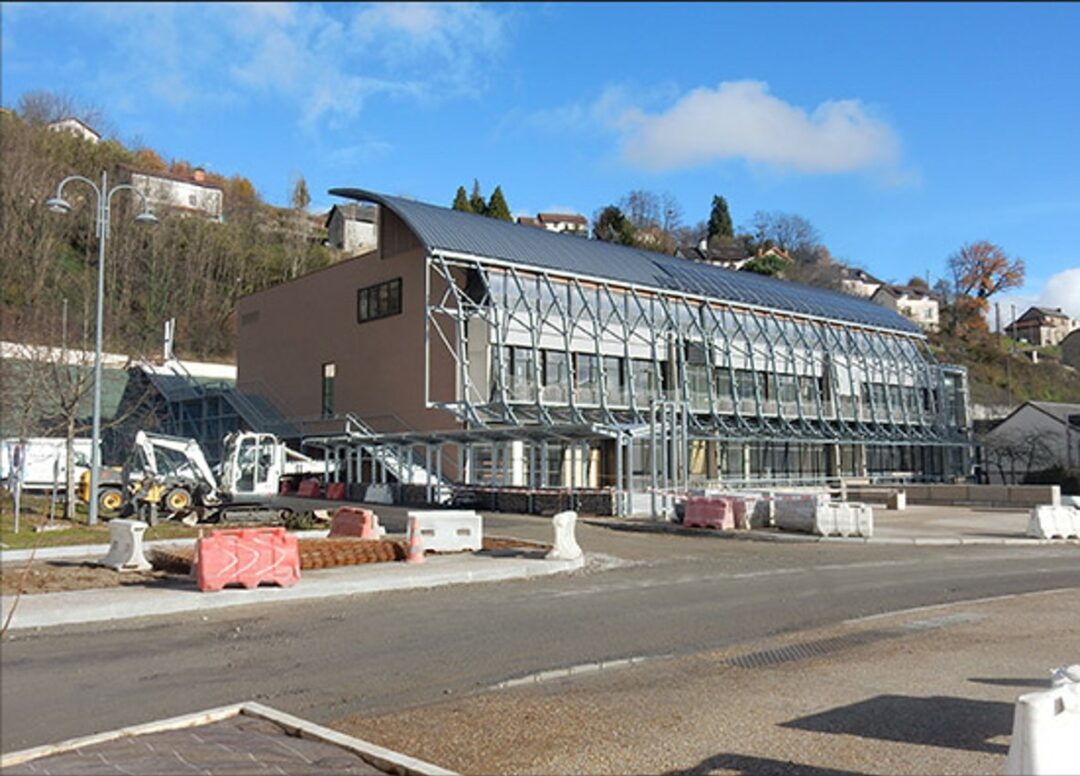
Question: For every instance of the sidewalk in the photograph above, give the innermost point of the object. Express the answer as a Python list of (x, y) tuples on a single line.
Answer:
[(71, 608)]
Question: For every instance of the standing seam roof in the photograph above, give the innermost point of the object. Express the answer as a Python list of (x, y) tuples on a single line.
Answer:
[(441, 228)]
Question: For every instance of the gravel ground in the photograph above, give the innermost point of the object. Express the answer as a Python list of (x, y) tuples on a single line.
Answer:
[(929, 691)]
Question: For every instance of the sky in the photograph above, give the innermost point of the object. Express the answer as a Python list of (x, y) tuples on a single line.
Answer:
[(901, 131)]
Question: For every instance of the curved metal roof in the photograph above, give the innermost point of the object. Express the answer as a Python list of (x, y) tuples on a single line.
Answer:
[(440, 228)]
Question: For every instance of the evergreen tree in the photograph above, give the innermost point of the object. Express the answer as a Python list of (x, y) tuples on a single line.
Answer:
[(610, 225), (497, 207), (476, 201), (461, 201), (720, 219)]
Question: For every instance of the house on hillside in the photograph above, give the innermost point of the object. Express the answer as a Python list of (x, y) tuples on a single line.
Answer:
[(564, 223), (1042, 326), (186, 194), (1035, 436), (352, 228), (919, 305), (77, 127), (858, 282), (490, 355)]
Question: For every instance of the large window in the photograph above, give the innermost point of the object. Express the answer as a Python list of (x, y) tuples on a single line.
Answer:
[(588, 379), (378, 301)]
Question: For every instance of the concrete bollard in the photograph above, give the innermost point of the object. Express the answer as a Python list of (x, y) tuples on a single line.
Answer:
[(566, 546), (126, 546), (1045, 727), (897, 501)]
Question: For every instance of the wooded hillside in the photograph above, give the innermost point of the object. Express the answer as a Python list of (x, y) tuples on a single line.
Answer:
[(185, 267)]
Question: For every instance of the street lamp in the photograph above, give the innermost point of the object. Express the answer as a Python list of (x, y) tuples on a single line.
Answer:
[(58, 204)]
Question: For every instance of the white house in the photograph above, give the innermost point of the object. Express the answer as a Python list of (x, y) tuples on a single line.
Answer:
[(190, 194), (353, 228), (918, 305), (859, 282), (76, 127), (569, 223)]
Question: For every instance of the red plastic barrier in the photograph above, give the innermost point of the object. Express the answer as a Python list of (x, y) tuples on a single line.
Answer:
[(350, 521), (285, 489), (744, 507), (714, 512), (246, 556), (335, 491), (309, 488)]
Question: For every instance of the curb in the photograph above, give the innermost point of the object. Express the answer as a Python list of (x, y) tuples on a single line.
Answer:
[(751, 536), (44, 610)]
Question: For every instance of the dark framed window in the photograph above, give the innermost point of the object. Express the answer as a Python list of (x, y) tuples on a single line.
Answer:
[(328, 373), (379, 301)]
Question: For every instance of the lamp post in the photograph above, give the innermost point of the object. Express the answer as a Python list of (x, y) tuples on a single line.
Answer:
[(58, 204)]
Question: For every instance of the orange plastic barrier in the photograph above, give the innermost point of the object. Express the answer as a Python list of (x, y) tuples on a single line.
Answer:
[(309, 488), (246, 556), (350, 521), (335, 491), (714, 512)]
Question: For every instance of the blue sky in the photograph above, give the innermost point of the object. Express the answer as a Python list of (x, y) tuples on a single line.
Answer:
[(901, 131)]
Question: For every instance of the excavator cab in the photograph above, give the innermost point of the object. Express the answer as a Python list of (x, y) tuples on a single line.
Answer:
[(252, 465)]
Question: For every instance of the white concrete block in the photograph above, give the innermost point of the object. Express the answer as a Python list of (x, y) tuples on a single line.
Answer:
[(896, 501), (566, 546), (451, 530), (378, 494), (1045, 730), (126, 546), (1054, 522)]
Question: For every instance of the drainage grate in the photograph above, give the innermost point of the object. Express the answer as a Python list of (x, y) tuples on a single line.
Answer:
[(807, 649)]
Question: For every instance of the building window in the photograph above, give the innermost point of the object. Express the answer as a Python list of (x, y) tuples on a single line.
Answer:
[(328, 371), (378, 301)]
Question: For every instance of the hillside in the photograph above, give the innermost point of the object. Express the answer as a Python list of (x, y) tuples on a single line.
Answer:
[(185, 267)]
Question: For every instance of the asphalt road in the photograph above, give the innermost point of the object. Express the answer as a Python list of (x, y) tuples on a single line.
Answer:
[(647, 595)]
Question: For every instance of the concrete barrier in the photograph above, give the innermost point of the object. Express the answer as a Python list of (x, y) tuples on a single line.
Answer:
[(246, 556), (566, 546), (448, 530), (815, 514), (126, 546), (379, 494), (1054, 522), (1045, 728), (710, 512)]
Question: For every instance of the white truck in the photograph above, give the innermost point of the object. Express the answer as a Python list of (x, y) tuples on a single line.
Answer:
[(167, 477), (44, 461)]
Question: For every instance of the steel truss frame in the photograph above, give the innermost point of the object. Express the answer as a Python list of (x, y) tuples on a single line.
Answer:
[(768, 375)]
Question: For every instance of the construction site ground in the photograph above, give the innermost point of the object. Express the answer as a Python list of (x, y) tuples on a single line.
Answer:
[(924, 691)]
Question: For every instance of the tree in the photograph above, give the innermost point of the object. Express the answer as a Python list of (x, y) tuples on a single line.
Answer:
[(720, 219), (655, 219), (610, 225), (461, 201), (476, 199), (981, 269), (791, 233), (497, 207), (769, 264)]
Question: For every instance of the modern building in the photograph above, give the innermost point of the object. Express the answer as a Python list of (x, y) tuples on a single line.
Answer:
[(1041, 326), (352, 228), (497, 354), (918, 305)]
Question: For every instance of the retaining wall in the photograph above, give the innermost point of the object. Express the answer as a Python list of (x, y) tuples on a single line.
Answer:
[(1019, 496)]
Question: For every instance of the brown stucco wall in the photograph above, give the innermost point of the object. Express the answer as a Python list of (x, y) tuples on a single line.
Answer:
[(286, 333)]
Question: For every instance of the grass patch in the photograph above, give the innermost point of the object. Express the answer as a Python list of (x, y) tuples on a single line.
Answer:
[(35, 511)]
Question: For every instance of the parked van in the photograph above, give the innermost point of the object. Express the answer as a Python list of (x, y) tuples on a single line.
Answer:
[(44, 461)]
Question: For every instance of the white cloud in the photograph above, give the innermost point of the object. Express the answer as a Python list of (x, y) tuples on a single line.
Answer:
[(741, 120), (325, 62)]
